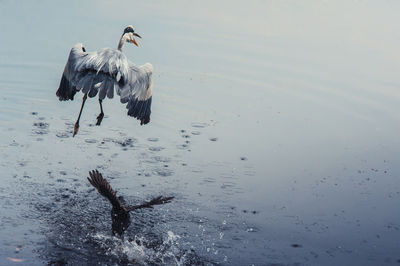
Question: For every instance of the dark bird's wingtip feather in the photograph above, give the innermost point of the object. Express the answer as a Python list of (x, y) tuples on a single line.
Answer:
[(104, 188)]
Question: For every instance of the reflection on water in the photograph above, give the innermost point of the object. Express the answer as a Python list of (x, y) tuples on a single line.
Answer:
[(274, 125)]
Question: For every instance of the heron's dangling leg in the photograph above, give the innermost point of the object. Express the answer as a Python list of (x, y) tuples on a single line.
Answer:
[(101, 115), (76, 128)]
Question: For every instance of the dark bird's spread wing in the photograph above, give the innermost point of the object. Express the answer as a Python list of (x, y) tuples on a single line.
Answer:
[(104, 188), (100, 72), (156, 201)]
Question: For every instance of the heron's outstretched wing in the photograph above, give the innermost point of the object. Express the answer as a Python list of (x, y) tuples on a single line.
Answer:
[(138, 92), (102, 71), (149, 204), (104, 188), (67, 89), (93, 72)]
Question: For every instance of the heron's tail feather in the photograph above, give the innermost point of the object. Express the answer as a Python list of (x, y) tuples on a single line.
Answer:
[(106, 88), (85, 81), (93, 82)]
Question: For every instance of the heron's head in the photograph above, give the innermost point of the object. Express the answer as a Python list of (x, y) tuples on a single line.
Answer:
[(129, 34)]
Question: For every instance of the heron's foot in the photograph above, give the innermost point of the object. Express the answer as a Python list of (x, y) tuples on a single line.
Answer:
[(76, 128), (99, 119)]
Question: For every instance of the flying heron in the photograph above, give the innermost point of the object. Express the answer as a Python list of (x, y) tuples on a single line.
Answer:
[(102, 71), (120, 212)]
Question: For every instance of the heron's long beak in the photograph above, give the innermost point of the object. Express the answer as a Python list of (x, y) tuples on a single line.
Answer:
[(134, 42), (133, 39)]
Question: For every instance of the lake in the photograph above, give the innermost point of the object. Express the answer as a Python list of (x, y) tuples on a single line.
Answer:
[(275, 126)]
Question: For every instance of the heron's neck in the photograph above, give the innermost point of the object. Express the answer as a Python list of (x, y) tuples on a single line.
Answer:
[(122, 42)]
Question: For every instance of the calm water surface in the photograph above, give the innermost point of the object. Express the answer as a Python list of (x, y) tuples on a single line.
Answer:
[(275, 125)]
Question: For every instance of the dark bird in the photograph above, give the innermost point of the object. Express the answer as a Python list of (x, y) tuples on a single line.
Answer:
[(120, 212), (101, 71)]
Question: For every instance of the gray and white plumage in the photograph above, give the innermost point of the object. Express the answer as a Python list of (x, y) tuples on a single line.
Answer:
[(102, 71)]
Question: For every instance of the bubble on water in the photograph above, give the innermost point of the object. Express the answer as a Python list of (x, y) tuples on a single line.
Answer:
[(40, 128), (199, 125), (156, 148), (164, 172), (14, 143), (128, 142), (159, 159), (182, 146), (251, 230), (63, 135), (41, 125)]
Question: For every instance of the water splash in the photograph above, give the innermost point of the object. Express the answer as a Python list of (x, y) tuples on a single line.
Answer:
[(141, 250)]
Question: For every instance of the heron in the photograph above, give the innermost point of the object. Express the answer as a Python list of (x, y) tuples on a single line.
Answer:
[(120, 212), (101, 71)]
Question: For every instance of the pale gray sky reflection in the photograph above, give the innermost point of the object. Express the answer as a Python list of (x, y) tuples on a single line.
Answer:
[(275, 125)]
